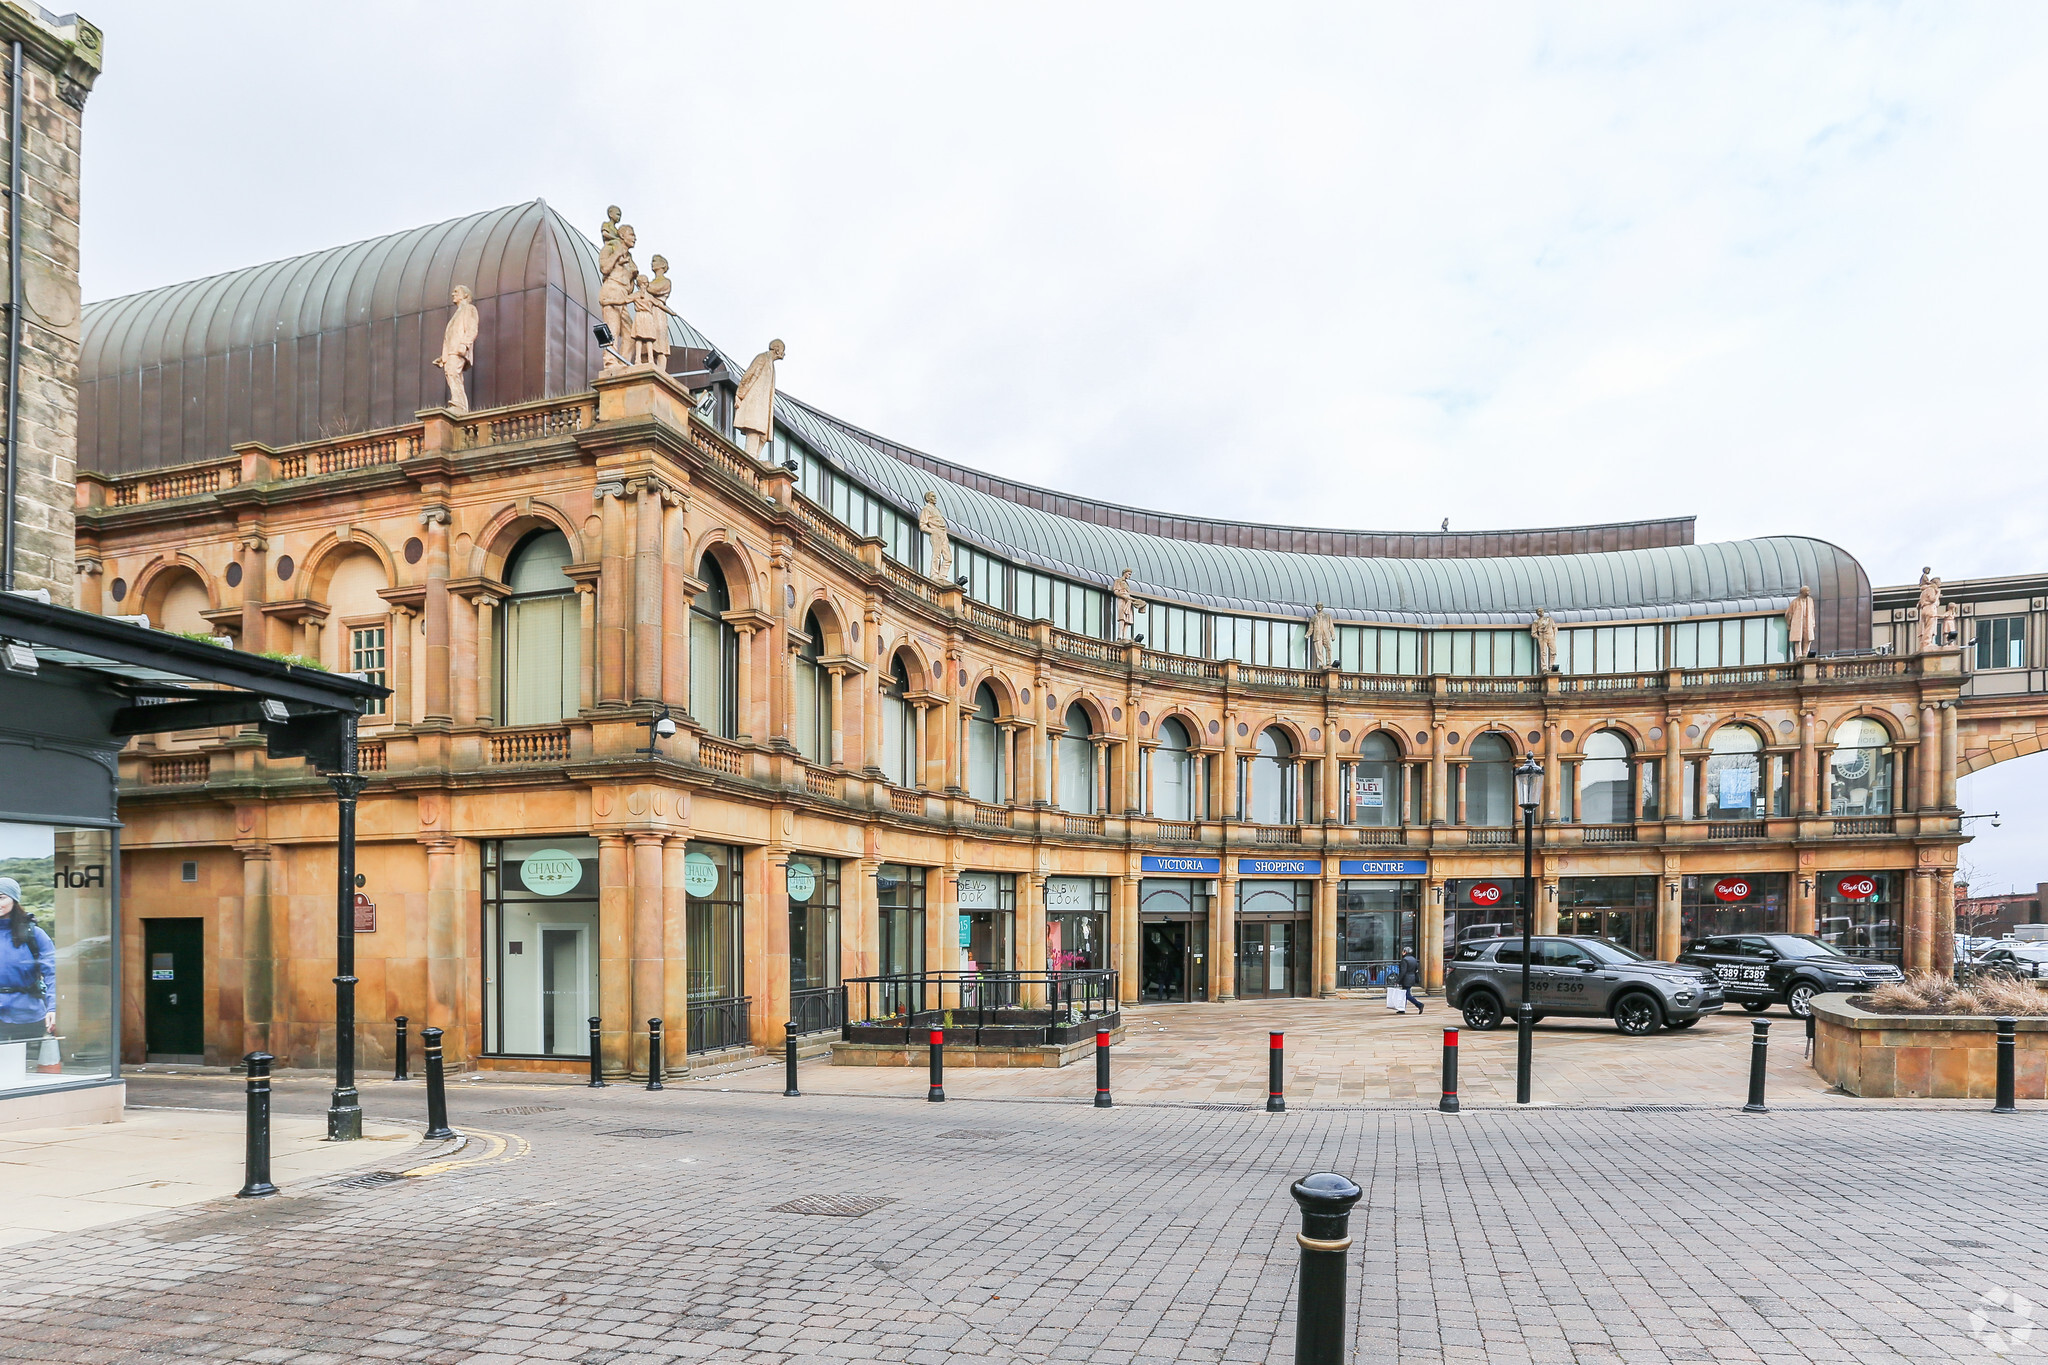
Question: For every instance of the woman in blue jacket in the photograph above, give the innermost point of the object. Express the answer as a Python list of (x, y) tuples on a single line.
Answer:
[(28, 971)]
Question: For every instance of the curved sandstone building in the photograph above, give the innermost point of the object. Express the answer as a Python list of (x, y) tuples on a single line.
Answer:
[(877, 774)]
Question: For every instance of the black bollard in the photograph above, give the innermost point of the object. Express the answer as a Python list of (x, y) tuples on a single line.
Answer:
[(1276, 1073), (654, 1066), (437, 1088), (1525, 1049), (1809, 1032), (596, 1055), (1325, 1238), (402, 1070), (256, 1155), (1102, 1068), (1449, 1103), (789, 1090), (2008, 1044), (937, 1094), (1759, 1053)]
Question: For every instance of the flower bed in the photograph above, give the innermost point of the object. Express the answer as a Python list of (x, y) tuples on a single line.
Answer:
[(1922, 1056)]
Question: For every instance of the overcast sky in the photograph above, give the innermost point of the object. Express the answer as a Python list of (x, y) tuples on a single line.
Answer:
[(1776, 265)]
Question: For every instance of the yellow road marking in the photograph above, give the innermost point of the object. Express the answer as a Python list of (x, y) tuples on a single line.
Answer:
[(497, 1149)]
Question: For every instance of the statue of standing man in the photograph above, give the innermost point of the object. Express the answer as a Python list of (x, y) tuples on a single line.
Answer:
[(1544, 629), (1322, 639), (615, 294), (1127, 606), (932, 522), (1802, 624), (458, 347), (755, 417)]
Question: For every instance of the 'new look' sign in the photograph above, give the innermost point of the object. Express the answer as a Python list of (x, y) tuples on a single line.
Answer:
[(1384, 867), (1279, 867), (1186, 867)]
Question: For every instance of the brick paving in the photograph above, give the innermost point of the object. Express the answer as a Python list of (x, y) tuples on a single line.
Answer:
[(640, 1227)]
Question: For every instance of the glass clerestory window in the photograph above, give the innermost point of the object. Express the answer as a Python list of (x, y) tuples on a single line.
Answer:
[(2001, 642)]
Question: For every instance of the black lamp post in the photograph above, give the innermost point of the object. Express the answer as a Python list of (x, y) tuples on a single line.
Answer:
[(1528, 795), (344, 1109)]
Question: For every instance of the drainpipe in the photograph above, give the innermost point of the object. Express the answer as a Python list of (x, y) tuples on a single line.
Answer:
[(13, 315)]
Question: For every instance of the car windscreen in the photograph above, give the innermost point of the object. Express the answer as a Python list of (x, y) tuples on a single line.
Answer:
[(1796, 945), (1601, 951)]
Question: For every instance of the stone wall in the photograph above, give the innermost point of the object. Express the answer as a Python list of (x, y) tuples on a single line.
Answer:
[(60, 59), (1903, 1056)]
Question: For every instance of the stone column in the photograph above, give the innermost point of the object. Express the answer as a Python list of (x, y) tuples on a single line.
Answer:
[(1031, 924), (1326, 931), (953, 762), (675, 948), (1233, 800), (859, 949), (624, 1049), (486, 659), (435, 607), (838, 675), (1804, 888), (1439, 776), (870, 691), (1041, 762), (1553, 775), (1052, 765), (1948, 755), (402, 703), (1013, 792), (1223, 937), (252, 556), (1668, 946), (1672, 799), (942, 923), (772, 1001), (614, 596), (1927, 760), (743, 684), (1942, 925), (1806, 782), (650, 995), (1102, 754), (309, 637), (1546, 892), (1431, 916), (1123, 917), (462, 622), (931, 746), (649, 642), (785, 724), (448, 961), (586, 611), (1918, 922)]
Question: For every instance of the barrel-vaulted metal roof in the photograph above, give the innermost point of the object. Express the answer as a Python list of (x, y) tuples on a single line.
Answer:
[(342, 340)]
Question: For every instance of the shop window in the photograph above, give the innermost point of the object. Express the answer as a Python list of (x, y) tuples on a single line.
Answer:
[(1734, 777), (57, 1008), (1077, 764), (541, 629), (1860, 769), (2001, 642), (1376, 923), (899, 729), (1603, 774), (813, 720), (813, 885), (1173, 774), (1077, 924), (1268, 780), (1373, 791), (541, 945), (1619, 909), (988, 922), (899, 919), (986, 758), (1480, 908), (714, 655), (713, 886), (1738, 903), (1857, 914), (1489, 782)]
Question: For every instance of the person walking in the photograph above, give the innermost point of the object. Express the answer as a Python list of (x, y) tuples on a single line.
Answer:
[(1411, 979)]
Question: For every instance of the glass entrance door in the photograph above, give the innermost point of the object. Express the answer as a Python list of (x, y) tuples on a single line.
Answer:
[(564, 1005), (1271, 958), (1163, 960)]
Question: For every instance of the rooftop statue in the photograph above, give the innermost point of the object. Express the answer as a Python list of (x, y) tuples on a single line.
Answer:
[(1126, 605), (458, 347), (1322, 638), (608, 230), (1930, 609), (1802, 623), (1544, 629), (615, 294), (932, 522), (650, 316), (755, 419)]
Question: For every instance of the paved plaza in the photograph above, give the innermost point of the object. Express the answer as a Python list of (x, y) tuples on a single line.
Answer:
[(620, 1226)]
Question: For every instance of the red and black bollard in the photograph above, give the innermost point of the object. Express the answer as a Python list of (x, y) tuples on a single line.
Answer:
[(937, 1094), (1102, 1068), (1449, 1103), (1276, 1073)]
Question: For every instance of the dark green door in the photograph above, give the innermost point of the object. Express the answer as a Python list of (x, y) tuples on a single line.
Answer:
[(174, 988)]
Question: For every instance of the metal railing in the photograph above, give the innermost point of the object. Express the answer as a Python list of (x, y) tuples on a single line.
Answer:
[(718, 1024), (818, 1009), (1028, 1007)]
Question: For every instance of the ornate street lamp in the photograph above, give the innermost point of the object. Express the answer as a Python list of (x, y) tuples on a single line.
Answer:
[(1528, 795)]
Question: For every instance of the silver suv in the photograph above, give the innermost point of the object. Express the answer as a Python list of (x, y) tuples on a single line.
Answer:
[(1587, 977)]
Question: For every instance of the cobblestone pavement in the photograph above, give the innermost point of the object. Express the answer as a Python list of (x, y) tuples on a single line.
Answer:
[(640, 1227)]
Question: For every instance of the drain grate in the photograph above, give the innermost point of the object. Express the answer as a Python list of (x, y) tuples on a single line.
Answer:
[(528, 1109), (977, 1134), (1656, 1109), (833, 1205), (372, 1179), (645, 1132)]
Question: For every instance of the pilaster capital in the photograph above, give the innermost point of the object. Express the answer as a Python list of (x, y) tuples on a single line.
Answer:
[(431, 517), (252, 544), (609, 488), (90, 567)]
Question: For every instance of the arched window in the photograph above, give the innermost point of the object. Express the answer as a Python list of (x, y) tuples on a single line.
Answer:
[(1173, 774), (1376, 781), (175, 602), (1604, 795), (1860, 769), (542, 662), (899, 729), (1269, 798), (1490, 782), (1735, 774), (714, 655), (813, 719), (985, 756), (1077, 764)]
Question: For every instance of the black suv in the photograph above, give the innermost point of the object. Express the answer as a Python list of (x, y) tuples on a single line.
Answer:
[(1761, 970), (1588, 977)]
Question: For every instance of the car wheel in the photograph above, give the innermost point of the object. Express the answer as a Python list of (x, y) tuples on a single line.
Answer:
[(1482, 1011), (1800, 999), (1683, 1023), (1638, 1014), (1756, 1006)]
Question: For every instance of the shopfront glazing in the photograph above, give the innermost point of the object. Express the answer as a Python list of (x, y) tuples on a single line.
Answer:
[(1619, 909), (1377, 921), (541, 945), (813, 885), (1173, 928), (988, 921), (1275, 941), (714, 892), (1480, 908), (1737, 903), (1859, 914), (1077, 924), (58, 956)]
